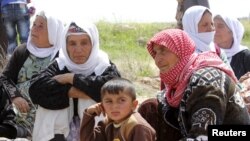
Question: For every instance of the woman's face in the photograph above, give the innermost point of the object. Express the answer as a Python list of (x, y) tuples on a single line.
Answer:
[(164, 58), (39, 33), (223, 35), (206, 23), (79, 48)]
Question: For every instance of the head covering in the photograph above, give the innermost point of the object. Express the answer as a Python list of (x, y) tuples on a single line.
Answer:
[(190, 21), (238, 31), (75, 30), (98, 60), (177, 77), (55, 29)]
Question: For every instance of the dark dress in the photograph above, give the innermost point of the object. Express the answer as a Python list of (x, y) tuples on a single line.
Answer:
[(240, 63)]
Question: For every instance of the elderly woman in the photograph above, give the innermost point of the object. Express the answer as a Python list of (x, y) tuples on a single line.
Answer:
[(79, 73), (27, 60), (198, 23), (228, 36), (199, 91)]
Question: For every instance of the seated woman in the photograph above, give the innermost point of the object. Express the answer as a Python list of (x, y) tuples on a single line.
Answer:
[(228, 36), (79, 73), (198, 23), (27, 60), (200, 89)]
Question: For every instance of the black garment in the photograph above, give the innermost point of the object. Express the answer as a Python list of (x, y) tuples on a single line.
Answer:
[(58, 137), (50, 94), (10, 75), (7, 115), (240, 63), (7, 131), (16, 62), (210, 98)]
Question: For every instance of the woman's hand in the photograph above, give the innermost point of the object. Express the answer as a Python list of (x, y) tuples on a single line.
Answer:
[(76, 93), (66, 78), (21, 104), (244, 77)]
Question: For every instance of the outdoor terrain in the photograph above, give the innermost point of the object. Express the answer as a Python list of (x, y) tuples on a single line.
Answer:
[(126, 45)]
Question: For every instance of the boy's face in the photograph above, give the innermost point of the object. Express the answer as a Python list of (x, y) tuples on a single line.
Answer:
[(118, 107)]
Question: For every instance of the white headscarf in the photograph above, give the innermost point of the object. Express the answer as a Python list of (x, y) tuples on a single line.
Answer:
[(55, 29), (98, 60), (238, 31), (190, 21)]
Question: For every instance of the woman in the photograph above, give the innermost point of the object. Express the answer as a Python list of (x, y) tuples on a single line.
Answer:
[(183, 5), (198, 23), (29, 59), (79, 72), (194, 84), (228, 36)]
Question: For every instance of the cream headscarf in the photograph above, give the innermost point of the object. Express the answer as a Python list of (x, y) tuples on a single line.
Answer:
[(55, 29), (238, 31), (190, 21), (98, 60)]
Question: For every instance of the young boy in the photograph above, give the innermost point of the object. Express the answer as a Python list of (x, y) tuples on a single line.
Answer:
[(118, 103)]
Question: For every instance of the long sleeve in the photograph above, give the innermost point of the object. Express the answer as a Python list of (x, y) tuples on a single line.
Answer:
[(10, 86), (88, 131), (92, 84), (47, 92), (11, 70), (211, 101), (241, 63), (15, 63)]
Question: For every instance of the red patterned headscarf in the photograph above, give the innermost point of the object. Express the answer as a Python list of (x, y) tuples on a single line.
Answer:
[(176, 79)]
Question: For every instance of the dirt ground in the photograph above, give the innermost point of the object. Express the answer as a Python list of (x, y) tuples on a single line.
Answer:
[(147, 87)]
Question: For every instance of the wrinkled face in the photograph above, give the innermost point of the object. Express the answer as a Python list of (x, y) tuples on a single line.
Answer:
[(39, 33), (79, 48), (206, 23), (118, 106), (164, 58), (223, 35)]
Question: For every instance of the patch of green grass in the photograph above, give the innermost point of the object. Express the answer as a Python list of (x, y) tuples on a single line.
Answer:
[(126, 45), (246, 37)]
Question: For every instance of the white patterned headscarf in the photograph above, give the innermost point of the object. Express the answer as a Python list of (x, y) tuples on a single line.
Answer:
[(98, 60), (237, 30), (190, 21), (55, 29)]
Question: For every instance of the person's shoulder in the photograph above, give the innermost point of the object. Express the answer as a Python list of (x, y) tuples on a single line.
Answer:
[(21, 48), (245, 52), (136, 119), (136, 122), (203, 71), (205, 75)]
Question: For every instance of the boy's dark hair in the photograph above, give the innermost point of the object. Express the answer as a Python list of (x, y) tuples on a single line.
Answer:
[(117, 85)]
